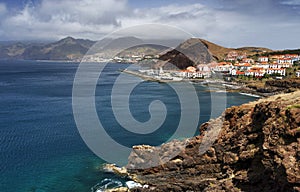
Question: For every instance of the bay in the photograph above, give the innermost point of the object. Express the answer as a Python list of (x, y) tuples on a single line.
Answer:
[(40, 146)]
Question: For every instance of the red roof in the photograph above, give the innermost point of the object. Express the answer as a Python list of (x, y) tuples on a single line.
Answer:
[(257, 68), (224, 63), (291, 55), (243, 64), (277, 56), (276, 69), (285, 59), (240, 73)]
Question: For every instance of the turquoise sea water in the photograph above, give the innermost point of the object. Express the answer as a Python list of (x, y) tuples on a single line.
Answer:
[(40, 146)]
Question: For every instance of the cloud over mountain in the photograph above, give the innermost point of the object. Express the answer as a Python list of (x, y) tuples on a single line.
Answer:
[(270, 23)]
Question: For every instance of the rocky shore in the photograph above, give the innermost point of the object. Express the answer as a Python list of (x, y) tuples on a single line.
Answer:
[(263, 89), (269, 87), (252, 147)]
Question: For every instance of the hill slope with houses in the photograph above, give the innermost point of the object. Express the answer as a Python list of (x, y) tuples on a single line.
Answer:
[(198, 59)]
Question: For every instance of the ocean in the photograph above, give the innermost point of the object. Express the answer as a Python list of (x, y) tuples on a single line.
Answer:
[(41, 149)]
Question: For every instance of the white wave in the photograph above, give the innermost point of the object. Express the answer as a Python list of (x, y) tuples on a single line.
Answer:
[(106, 184), (132, 184), (249, 94)]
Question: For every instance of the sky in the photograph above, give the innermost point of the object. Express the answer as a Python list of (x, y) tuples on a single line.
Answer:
[(231, 23)]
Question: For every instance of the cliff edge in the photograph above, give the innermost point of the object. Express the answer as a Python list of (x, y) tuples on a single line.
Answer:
[(257, 148)]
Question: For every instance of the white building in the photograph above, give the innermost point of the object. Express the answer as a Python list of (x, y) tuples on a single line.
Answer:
[(235, 72), (248, 60), (263, 59), (298, 73), (203, 67), (264, 65), (194, 75), (280, 71), (280, 65), (242, 66), (255, 72), (222, 67), (285, 61)]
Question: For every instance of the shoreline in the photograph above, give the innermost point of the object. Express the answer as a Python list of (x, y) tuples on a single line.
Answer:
[(148, 77), (229, 86)]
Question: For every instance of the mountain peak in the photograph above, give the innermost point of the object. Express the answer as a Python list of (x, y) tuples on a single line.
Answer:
[(67, 40), (124, 42), (189, 53)]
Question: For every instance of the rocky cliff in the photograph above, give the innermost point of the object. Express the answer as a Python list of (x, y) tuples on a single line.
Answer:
[(252, 147), (189, 53)]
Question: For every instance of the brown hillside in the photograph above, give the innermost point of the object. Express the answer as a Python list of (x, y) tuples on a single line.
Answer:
[(220, 52), (217, 51)]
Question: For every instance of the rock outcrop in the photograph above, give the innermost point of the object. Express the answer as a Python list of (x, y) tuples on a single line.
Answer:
[(253, 147), (189, 53), (272, 87)]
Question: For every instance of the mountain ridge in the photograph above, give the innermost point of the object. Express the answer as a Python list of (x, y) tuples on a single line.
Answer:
[(70, 48)]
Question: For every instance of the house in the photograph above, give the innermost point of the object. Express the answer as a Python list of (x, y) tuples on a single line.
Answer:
[(196, 74), (242, 56), (297, 73), (273, 65), (242, 66), (263, 59), (200, 74), (185, 74), (203, 67), (191, 69), (291, 56), (231, 56), (247, 60), (235, 72), (276, 57), (222, 67), (279, 71), (285, 61), (276, 65), (256, 72), (264, 65)]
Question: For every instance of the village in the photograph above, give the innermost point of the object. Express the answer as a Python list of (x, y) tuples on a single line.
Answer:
[(234, 65), (237, 65)]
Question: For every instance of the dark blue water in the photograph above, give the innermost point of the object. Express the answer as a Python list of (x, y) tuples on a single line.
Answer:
[(40, 146)]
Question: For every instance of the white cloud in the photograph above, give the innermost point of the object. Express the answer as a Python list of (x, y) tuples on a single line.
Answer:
[(291, 2), (56, 19), (194, 18), (3, 9), (82, 11), (94, 18)]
